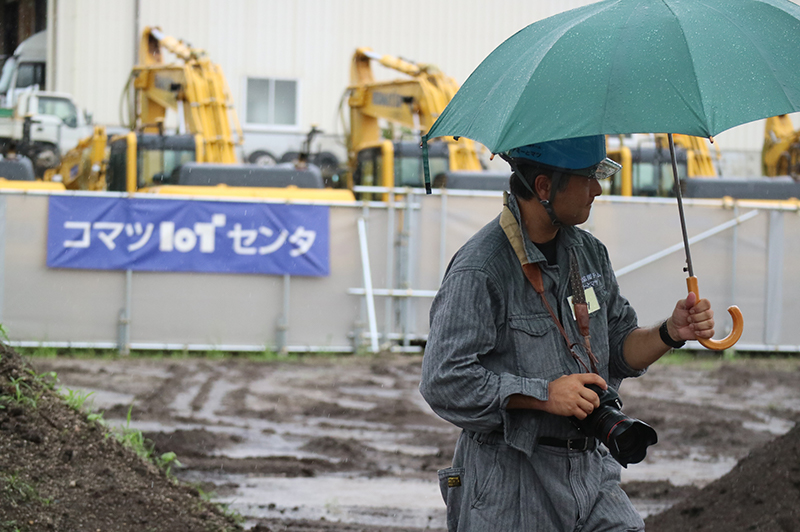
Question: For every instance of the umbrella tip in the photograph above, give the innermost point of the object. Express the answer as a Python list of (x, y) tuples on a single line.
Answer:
[(711, 139), (492, 157)]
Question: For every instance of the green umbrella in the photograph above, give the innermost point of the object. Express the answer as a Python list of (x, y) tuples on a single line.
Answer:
[(696, 67)]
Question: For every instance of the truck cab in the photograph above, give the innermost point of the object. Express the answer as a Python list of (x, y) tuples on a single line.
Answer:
[(45, 125), (25, 68)]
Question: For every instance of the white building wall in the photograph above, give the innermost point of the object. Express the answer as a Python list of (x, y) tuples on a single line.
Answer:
[(311, 41), (94, 53)]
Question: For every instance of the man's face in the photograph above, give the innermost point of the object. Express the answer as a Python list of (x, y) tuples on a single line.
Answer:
[(573, 204)]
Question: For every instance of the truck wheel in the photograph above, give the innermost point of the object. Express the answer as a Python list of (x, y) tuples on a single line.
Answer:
[(290, 157), (328, 163), (44, 158), (262, 158)]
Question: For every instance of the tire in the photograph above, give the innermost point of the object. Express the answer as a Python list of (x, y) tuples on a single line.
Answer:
[(44, 157), (262, 158), (328, 163), (289, 157)]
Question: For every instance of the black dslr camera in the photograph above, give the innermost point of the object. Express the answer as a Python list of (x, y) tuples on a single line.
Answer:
[(627, 438)]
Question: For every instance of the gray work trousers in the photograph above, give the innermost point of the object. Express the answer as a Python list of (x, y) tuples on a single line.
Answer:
[(495, 488)]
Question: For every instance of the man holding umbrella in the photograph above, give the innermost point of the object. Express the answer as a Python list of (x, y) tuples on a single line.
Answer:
[(528, 315)]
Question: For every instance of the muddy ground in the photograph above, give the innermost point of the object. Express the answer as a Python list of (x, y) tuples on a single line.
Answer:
[(348, 444)]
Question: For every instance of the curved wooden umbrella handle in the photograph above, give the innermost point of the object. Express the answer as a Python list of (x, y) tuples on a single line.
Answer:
[(736, 316)]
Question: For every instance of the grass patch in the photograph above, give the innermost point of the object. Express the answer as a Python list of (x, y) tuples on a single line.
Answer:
[(135, 440), (16, 491), (74, 398), (27, 389)]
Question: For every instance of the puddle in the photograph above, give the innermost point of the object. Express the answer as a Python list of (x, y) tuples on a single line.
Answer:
[(356, 405), (769, 424), (695, 469), (647, 508), (371, 391), (352, 500), (338, 498)]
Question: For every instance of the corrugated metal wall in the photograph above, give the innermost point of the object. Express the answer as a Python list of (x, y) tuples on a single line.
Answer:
[(308, 40)]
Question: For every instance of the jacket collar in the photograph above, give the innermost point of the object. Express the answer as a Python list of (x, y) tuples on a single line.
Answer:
[(526, 251)]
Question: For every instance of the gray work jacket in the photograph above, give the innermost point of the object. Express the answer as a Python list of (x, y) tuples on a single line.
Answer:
[(491, 335)]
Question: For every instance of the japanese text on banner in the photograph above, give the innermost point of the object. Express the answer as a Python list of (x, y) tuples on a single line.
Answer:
[(175, 235)]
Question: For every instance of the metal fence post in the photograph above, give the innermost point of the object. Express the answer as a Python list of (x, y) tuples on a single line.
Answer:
[(124, 342), (2, 255), (391, 243), (412, 243), (442, 233), (282, 333), (734, 260), (774, 283), (370, 296)]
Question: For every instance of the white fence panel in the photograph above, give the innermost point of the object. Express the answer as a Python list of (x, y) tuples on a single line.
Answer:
[(752, 265)]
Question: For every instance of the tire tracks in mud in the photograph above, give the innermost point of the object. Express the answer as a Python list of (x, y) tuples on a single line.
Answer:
[(233, 420)]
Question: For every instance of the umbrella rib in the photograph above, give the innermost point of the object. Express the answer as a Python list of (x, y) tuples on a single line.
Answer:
[(694, 69), (608, 84), (514, 112)]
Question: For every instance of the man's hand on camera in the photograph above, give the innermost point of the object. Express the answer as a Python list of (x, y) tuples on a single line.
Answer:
[(566, 396), (691, 319), (569, 396)]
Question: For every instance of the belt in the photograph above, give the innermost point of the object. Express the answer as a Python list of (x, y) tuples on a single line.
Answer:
[(574, 444)]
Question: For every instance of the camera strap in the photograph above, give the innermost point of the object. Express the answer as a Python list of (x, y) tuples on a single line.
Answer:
[(534, 276), (533, 273), (580, 306)]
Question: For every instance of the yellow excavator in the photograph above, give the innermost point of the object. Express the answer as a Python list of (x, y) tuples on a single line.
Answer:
[(781, 152), (377, 155), (195, 87), (201, 158)]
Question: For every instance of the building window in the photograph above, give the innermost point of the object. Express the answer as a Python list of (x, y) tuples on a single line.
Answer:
[(271, 102)]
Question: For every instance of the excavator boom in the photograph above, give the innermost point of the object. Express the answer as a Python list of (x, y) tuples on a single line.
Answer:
[(412, 103), (196, 87)]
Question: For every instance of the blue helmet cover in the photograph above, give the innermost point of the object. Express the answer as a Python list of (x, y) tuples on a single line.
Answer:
[(568, 154)]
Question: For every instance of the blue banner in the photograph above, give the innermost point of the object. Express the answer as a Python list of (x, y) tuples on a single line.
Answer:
[(187, 236)]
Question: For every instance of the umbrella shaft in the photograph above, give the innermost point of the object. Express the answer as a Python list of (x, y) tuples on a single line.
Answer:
[(689, 267)]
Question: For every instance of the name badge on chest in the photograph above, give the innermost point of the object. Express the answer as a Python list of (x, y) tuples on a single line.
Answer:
[(592, 303)]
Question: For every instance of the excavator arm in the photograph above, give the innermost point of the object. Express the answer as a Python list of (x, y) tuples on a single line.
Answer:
[(195, 87), (781, 152), (413, 102), (699, 161)]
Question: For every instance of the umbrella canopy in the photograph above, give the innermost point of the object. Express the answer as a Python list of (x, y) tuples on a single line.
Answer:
[(696, 67)]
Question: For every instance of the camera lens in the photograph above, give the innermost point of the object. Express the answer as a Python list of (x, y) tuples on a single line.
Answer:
[(626, 442), (626, 438)]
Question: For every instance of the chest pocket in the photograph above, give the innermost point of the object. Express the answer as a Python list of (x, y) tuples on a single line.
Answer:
[(538, 346)]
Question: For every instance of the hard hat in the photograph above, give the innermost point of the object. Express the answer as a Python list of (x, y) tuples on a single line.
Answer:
[(584, 156)]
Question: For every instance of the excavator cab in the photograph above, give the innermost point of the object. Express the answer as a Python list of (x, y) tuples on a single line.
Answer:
[(374, 167), (139, 161), (648, 172)]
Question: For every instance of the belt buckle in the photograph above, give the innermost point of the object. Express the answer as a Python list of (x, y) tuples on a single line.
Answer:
[(578, 444)]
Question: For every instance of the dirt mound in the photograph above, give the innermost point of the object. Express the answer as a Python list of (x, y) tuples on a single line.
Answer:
[(760, 494), (61, 471)]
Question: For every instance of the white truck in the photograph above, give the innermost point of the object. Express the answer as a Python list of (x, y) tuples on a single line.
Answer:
[(53, 126), (42, 126), (25, 68)]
